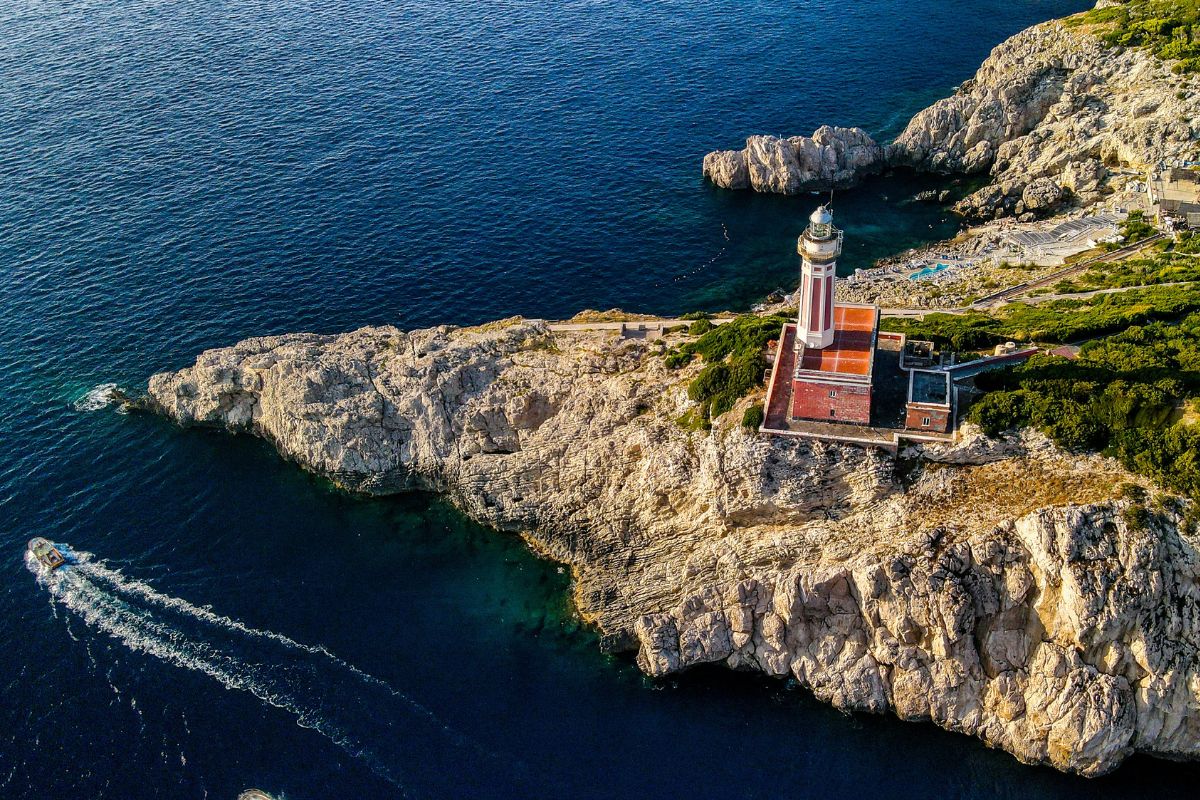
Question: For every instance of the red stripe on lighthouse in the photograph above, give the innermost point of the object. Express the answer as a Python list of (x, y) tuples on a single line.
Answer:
[(814, 309), (829, 305)]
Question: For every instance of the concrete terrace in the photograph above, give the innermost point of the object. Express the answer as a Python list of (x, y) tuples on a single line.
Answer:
[(631, 329), (850, 353)]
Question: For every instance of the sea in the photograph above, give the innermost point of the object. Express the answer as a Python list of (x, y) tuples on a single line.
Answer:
[(177, 175)]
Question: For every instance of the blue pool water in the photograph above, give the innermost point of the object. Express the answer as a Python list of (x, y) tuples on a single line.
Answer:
[(929, 271), (179, 175)]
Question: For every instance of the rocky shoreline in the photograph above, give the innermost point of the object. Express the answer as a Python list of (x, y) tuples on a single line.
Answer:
[(1060, 125), (1053, 117), (994, 588)]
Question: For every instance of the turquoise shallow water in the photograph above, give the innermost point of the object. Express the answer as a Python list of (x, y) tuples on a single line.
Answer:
[(176, 176)]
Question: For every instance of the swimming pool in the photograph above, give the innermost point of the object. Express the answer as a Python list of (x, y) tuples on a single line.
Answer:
[(928, 271)]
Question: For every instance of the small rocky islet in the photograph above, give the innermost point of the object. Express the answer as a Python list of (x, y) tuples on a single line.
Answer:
[(1054, 118), (996, 587)]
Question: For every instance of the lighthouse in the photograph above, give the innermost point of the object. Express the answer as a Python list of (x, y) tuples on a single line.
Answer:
[(819, 247)]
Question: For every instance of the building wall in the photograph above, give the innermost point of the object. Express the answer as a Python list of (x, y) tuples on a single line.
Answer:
[(939, 418), (811, 400)]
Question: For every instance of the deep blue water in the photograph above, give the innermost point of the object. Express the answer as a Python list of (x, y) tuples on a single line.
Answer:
[(178, 175)]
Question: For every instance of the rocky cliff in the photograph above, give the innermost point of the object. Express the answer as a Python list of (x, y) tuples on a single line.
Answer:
[(993, 588), (1050, 116)]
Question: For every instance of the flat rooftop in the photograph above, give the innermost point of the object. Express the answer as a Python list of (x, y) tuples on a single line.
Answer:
[(1179, 179), (853, 344), (931, 388)]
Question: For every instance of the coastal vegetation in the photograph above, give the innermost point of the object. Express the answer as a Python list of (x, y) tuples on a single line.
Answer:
[(753, 416), (1168, 28), (1053, 322), (1133, 395), (733, 361), (1177, 263), (1134, 229)]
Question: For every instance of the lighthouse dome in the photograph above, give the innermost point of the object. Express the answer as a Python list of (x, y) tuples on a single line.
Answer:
[(820, 224)]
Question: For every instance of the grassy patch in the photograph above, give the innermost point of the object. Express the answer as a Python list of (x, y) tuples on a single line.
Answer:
[(1057, 321), (1168, 28), (1166, 263), (733, 361), (694, 420), (753, 417), (1134, 229)]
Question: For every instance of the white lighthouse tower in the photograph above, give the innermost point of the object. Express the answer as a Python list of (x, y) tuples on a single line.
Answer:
[(819, 247)]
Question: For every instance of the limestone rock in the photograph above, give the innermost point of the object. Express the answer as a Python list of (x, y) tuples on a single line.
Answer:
[(1050, 103), (1041, 195), (727, 169), (1053, 102), (969, 595), (830, 158)]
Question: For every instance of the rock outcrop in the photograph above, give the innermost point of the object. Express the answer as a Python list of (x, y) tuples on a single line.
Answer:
[(996, 590), (1051, 107), (830, 158)]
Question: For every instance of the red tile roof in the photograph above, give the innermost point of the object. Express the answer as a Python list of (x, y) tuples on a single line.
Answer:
[(851, 351)]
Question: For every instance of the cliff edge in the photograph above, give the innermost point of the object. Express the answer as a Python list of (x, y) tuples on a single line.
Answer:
[(995, 589), (1052, 116)]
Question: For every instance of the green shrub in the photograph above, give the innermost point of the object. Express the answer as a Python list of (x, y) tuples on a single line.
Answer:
[(733, 357), (996, 412), (1122, 396), (1188, 242), (753, 417), (676, 359), (700, 327), (1136, 517), (1133, 493), (1135, 227), (1168, 28)]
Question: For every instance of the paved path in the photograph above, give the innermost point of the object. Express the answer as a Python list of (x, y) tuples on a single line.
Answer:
[(919, 313), (1043, 298), (780, 389), (1005, 295), (633, 324)]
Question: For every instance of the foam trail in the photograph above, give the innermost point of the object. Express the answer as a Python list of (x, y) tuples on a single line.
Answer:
[(358, 712), (102, 574)]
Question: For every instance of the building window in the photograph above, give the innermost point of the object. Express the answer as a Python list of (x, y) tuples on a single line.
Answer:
[(925, 422), (833, 392), (833, 412)]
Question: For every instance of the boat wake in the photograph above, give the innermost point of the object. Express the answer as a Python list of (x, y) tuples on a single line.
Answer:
[(399, 739)]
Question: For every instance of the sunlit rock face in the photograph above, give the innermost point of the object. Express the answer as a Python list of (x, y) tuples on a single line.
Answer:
[(1052, 108), (1050, 116), (830, 158), (995, 590)]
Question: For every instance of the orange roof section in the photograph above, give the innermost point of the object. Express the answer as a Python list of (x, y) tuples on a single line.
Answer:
[(851, 352)]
